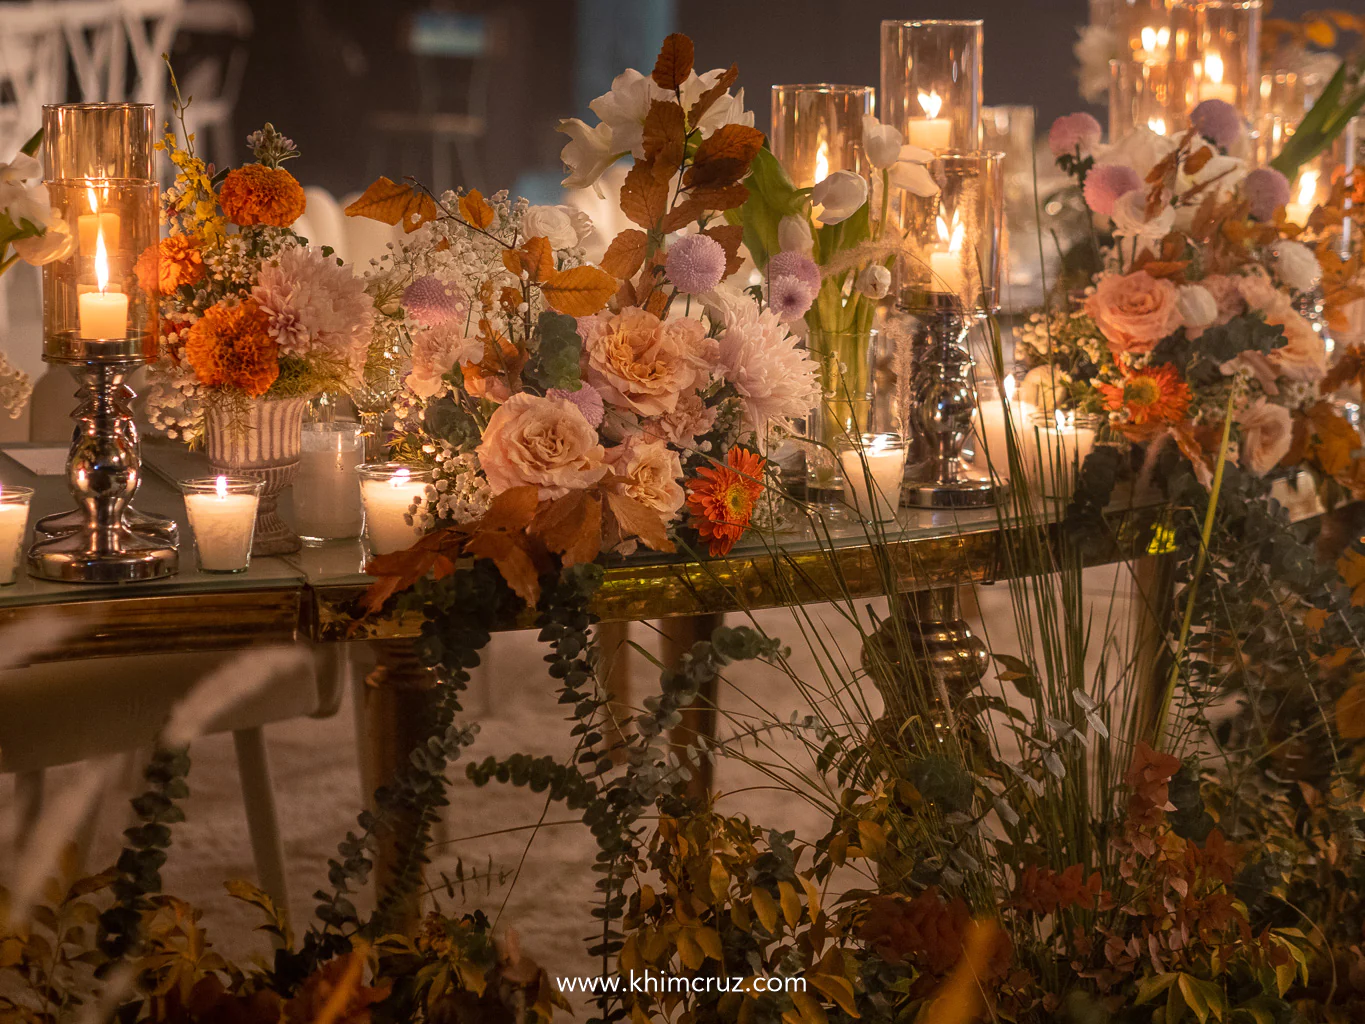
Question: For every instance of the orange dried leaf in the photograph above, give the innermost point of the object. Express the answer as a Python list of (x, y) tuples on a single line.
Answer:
[(508, 551), (476, 212), (709, 97), (537, 257), (730, 237), (392, 203), (637, 520), (578, 291), (1351, 567), (571, 526), (1334, 439), (644, 198), (724, 157), (665, 138), (674, 63), (625, 254), (1351, 713), (657, 303), (511, 259), (1196, 161)]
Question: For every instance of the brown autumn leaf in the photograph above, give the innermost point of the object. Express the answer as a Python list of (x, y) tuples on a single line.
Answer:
[(392, 203), (657, 302), (509, 299), (1196, 161), (674, 63), (724, 157), (644, 198), (1351, 566), (1348, 369), (1172, 270), (665, 138), (578, 291), (434, 553), (1334, 439), (510, 553), (730, 237), (637, 520), (537, 257), (1351, 713), (475, 210), (571, 526), (625, 254), (625, 295), (709, 97), (705, 200)]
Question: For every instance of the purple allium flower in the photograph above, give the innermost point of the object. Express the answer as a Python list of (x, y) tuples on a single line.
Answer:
[(588, 400), (434, 302), (1072, 132), (1266, 189), (1106, 184), (1219, 122), (789, 297), (695, 264), (797, 265)]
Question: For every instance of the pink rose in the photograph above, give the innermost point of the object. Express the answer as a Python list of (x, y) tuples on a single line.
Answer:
[(1266, 435), (1135, 311), (1304, 356), (681, 427), (541, 441), (650, 472), (641, 363), (1228, 296)]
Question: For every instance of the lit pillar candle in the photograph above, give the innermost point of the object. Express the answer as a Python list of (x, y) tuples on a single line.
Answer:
[(89, 226), (930, 131), (872, 475), (103, 314), (993, 409), (388, 492), (1305, 192), (14, 502), (223, 519), (945, 264), (1212, 86)]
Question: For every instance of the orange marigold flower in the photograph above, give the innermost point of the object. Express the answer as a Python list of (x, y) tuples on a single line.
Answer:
[(721, 498), (231, 346), (1149, 396), (174, 262), (257, 194)]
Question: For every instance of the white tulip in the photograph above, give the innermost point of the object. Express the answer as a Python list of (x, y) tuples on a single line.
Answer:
[(874, 281), (910, 171), (842, 194), (794, 235), (1297, 266), (54, 244), (881, 143), (589, 152), (1198, 308)]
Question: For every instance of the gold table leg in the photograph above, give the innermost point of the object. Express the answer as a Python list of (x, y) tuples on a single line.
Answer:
[(613, 669), (679, 635)]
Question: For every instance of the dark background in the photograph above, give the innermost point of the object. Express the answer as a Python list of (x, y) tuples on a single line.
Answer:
[(321, 69)]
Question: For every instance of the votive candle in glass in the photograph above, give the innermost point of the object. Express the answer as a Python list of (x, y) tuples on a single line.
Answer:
[(931, 82), (14, 503), (996, 406), (1055, 447), (222, 515), (1224, 39), (873, 467), (818, 129), (389, 491), (327, 484)]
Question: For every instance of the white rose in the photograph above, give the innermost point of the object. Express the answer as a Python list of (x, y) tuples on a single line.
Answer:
[(557, 223), (794, 235), (881, 143), (588, 153), (1198, 308), (874, 281), (1141, 149), (911, 173), (1297, 266), (841, 195), (1130, 218)]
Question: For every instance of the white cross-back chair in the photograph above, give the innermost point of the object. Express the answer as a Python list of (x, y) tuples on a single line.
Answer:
[(150, 27), (30, 62), (95, 50), (214, 79)]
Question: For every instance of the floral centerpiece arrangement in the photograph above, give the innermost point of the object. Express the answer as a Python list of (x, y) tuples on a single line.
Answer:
[(573, 409)]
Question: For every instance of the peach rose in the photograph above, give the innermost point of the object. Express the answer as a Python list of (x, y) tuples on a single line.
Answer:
[(651, 471), (641, 363), (1134, 311), (1304, 356), (541, 441), (1266, 435)]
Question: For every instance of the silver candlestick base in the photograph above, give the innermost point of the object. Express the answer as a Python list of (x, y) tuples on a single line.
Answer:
[(104, 540), (944, 404)]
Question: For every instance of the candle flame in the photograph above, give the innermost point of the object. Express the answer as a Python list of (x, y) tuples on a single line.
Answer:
[(951, 237), (821, 162), (1060, 418), (1009, 389), (1308, 187), (1157, 125), (879, 441), (1213, 68), (101, 261), (943, 229), (931, 103), (400, 477), (220, 485), (1149, 38), (94, 199)]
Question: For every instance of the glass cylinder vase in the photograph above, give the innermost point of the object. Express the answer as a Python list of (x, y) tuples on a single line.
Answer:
[(1223, 37), (817, 129), (931, 82), (843, 358), (1155, 95)]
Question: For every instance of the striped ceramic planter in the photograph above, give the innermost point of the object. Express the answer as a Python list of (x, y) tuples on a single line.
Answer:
[(262, 444)]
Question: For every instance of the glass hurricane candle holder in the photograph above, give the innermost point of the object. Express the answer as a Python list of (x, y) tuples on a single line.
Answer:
[(100, 318), (222, 514), (1144, 30), (873, 466), (1283, 102), (931, 82), (327, 485), (1223, 37), (1155, 95), (1055, 447), (14, 503), (818, 129), (389, 491)]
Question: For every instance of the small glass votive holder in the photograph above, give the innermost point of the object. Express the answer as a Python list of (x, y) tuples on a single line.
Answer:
[(222, 515), (389, 491), (327, 485), (873, 467), (1055, 447), (14, 504)]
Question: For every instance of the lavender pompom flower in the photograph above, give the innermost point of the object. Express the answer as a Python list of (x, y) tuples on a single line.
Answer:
[(1266, 189), (1219, 122), (789, 297), (587, 398), (797, 265), (1106, 184), (695, 264), (1073, 133), (433, 302)]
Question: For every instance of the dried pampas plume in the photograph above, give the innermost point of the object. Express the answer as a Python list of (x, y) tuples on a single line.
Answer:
[(227, 686)]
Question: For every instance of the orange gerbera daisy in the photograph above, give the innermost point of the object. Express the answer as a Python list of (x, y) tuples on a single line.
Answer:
[(172, 263), (1150, 396), (257, 194), (721, 498), (231, 346)]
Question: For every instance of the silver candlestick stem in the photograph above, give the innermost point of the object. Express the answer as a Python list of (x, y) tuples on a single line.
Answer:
[(103, 471)]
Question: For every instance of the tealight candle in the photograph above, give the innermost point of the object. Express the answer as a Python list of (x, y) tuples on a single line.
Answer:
[(873, 470), (388, 491), (1056, 451), (103, 314), (222, 515), (14, 502), (931, 131), (327, 486), (1301, 207), (1212, 86)]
